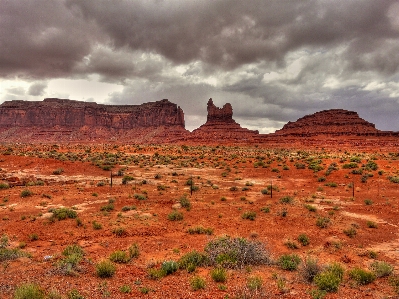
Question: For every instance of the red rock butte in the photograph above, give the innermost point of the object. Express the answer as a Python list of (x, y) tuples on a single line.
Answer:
[(62, 120)]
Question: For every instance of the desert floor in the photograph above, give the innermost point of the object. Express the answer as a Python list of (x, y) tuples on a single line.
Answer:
[(345, 202)]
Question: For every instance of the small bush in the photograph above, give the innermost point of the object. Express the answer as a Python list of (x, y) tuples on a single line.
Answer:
[(29, 291), (236, 252), (197, 283), (394, 179), (350, 232), (371, 224), (62, 213), (190, 261), (105, 269), (249, 215), (140, 196), (362, 276), (309, 269), (368, 202), (254, 283), (394, 282), (350, 165), (73, 249), (74, 294), (219, 275), (310, 208), (4, 186), (120, 257), (286, 200), (185, 203), (134, 251), (108, 207), (156, 274), (303, 239), (199, 230), (289, 262), (323, 222), (58, 171), (119, 231), (169, 267), (96, 225), (265, 209), (26, 193), (381, 269), (175, 216), (125, 289), (327, 281)]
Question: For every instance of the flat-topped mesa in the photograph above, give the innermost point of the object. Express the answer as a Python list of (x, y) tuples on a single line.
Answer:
[(329, 122), (221, 127), (76, 114), (62, 120)]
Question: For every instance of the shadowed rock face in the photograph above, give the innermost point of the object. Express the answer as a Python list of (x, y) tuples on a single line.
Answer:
[(54, 112), (335, 121)]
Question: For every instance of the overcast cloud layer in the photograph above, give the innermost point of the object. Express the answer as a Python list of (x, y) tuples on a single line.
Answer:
[(273, 60)]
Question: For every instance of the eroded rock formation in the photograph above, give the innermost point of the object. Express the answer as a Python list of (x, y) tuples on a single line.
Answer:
[(335, 122), (221, 127)]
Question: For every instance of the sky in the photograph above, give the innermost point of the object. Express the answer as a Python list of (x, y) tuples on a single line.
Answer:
[(274, 60)]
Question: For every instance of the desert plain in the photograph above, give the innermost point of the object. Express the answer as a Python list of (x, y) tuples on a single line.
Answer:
[(192, 221)]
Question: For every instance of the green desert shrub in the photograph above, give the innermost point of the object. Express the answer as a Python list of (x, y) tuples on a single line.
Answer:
[(361, 276), (134, 251), (219, 274), (169, 267), (289, 262), (26, 193), (197, 283), (327, 281), (4, 186), (303, 239), (185, 203), (249, 215), (120, 257), (190, 261), (62, 213), (105, 269), (29, 291), (381, 268), (323, 222), (199, 230), (286, 200), (236, 252), (175, 216)]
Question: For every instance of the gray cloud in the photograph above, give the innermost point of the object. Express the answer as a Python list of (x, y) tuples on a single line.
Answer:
[(37, 89)]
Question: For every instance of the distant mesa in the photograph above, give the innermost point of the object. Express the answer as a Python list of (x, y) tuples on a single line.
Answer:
[(63, 120), (335, 122), (220, 125)]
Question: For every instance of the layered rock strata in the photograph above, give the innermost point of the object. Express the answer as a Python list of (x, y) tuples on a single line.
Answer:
[(67, 120), (334, 122), (220, 126)]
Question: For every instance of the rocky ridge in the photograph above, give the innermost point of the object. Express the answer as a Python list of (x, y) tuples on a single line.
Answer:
[(62, 120)]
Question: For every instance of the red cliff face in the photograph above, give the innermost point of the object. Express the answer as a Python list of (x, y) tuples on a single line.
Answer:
[(74, 114), (335, 122), (221, 127), (53, 118)]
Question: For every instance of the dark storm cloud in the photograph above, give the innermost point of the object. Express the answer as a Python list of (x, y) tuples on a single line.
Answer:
[(231, 33), (41, 38)]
